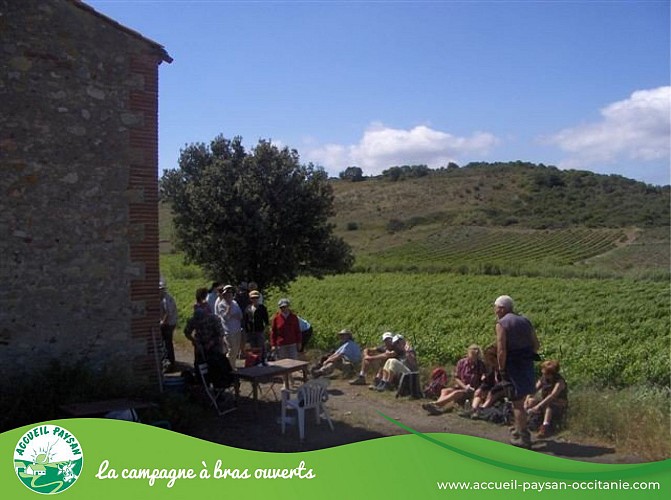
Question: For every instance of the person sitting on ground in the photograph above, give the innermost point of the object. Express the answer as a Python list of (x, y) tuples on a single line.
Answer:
[(205, 333), (491, 388), (345, 356), (405, 361), (467, 377), (553, 400), (375, 357)]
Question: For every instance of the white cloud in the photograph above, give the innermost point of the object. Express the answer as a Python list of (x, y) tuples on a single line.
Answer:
[(637, 128), (382, 147)]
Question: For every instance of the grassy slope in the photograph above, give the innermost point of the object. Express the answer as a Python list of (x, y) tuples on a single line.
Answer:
[(502, 204)]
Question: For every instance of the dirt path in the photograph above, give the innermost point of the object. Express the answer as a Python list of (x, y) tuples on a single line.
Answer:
[(355, 411)]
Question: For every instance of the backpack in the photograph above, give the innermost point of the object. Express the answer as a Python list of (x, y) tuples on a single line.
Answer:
[(436, 384), (499, 414)]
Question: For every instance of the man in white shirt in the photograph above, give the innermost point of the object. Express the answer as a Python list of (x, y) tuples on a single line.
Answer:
[(230, 314)]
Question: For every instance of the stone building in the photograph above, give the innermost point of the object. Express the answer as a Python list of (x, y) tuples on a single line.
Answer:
[(79, 211)]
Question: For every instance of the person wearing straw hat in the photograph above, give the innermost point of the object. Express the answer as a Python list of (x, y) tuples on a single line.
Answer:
[(343, 358)]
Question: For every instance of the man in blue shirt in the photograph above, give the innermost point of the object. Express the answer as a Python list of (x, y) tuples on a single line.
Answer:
[(344, 358)]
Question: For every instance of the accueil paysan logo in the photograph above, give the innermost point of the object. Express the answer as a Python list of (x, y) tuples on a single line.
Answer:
[(48, 459)]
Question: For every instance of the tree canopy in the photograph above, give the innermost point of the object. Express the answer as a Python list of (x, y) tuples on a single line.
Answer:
[(258, 215), (354, 174)]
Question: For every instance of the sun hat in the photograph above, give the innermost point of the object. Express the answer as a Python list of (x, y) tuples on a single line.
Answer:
[(387, 335), (396, 338), (345, 331)]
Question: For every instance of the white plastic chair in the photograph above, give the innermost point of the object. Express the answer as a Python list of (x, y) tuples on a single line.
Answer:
[(311, 395)]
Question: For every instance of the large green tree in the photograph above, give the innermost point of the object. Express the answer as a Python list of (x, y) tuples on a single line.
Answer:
[(257, 215)]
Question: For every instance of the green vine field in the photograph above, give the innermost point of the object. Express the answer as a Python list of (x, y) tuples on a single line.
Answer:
[(605, 332)]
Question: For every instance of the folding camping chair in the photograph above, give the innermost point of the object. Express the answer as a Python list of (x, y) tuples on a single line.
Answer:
[(408, 385), (219, 396)]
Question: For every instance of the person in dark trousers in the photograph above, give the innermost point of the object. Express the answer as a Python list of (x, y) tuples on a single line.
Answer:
[(255, 323), (168, 323)]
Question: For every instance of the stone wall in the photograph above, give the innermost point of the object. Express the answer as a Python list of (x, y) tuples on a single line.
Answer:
[(78, 211)]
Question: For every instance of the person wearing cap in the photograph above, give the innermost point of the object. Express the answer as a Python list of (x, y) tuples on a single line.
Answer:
[(285, 333), (517, 348), (467, 377), (230, 315), (254, 287), (405, 361), (345, 356), (375, 356), (168, 323), (255, 322)]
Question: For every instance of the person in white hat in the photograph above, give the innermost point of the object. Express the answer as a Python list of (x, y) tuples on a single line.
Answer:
[(405, 361), (375, 357), (285, 332)]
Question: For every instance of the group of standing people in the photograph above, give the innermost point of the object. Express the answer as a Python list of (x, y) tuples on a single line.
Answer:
[(244, 320)]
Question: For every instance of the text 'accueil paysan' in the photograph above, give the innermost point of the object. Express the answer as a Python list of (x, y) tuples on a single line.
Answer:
[(48, 459)]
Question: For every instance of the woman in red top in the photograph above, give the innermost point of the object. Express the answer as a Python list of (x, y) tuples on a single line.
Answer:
[(285, 333)]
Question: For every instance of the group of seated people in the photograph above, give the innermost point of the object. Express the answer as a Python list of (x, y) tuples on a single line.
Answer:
[(394, 357), (477, 381)]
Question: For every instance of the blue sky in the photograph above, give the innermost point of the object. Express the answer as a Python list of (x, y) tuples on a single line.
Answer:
[(576, 84)]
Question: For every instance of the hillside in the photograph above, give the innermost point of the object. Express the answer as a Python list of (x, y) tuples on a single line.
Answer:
[(503, 218), (507, 218), (503, 194)]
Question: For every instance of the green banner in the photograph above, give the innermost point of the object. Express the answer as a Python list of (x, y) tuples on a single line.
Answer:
[(111, 459)]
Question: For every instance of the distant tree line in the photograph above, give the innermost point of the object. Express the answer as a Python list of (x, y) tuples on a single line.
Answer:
[(395, 173)]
